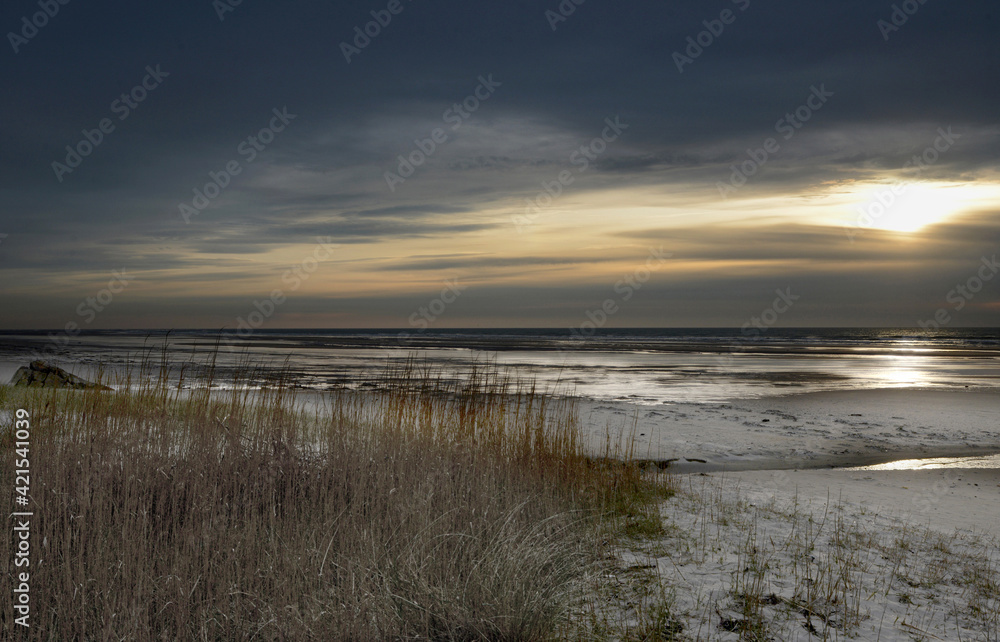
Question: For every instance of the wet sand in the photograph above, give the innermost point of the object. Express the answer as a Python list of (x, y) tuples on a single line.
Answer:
[(813, 430)]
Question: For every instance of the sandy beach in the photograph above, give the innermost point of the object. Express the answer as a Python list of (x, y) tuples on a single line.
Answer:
[(814, 430), (880, 506), (821, 554)]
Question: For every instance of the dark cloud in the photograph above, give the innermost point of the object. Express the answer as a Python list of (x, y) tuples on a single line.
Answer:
[(477, 262), (324, 175)]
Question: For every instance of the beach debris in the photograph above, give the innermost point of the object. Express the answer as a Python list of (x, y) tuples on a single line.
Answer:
[(734, 625), (661, 464), (41, 375), (671, 629)]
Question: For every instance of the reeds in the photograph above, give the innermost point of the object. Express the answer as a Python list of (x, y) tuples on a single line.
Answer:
[(423, 508)]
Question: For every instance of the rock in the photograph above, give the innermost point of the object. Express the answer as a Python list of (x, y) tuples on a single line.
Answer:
[(41, 375)]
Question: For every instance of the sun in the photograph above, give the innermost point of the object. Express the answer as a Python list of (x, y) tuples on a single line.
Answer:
[(910, 207)]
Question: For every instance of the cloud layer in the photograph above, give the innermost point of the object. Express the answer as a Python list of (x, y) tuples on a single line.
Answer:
[(513, 181)]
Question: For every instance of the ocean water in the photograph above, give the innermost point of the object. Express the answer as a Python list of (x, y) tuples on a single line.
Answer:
[(650, 366)]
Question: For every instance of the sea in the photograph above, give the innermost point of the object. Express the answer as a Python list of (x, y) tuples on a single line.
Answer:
[(648, 366)]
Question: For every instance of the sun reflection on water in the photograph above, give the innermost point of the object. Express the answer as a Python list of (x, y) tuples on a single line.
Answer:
[(992, 461), (904, 372)]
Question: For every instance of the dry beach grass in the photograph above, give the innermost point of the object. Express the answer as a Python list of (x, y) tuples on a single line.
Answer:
[(423, 509)]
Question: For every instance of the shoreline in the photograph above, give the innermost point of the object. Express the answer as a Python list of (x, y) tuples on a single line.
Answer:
[(791, 431), (833, 429), (650, 367)]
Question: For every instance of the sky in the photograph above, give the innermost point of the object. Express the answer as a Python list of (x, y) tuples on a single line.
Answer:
[(413, 164)]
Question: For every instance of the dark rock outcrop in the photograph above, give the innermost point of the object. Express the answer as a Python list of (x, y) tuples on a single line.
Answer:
[(41, 375)]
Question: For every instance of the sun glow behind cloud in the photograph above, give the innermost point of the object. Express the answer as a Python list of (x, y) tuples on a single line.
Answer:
[(908, 207)]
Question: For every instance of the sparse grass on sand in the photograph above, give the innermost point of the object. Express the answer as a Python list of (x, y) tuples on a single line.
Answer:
[(734, 569), (423, 509)]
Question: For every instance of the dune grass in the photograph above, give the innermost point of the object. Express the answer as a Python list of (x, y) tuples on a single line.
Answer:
[(736, 568), (425, 508)]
